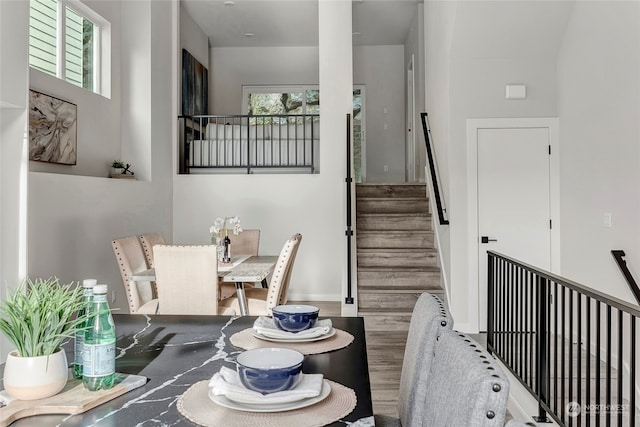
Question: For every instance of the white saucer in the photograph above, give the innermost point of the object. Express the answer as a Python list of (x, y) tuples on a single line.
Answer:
[(329, 334), (277, 407)]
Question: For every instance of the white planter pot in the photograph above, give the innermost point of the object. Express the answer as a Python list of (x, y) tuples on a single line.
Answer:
[(116, 171), (29, 378)]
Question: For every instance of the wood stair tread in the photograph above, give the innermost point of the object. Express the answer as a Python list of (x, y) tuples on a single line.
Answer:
[(404, 290)]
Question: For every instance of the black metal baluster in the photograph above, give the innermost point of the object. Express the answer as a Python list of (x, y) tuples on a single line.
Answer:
[(579, 357), (571, 339), (632, 362), (533, 330), (608, 369), (620, 367), (597, 361), (490, 302), (588, 354), (555, 348)]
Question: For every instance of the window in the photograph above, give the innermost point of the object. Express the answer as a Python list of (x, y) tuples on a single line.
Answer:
[(281, 100), (77, 59)]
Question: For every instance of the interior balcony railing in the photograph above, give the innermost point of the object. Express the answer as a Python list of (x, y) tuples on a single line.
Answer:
[(249, 144), (572, 347)]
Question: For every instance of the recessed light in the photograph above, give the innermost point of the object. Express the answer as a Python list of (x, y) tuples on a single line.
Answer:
[(248, 34), (229, 3)]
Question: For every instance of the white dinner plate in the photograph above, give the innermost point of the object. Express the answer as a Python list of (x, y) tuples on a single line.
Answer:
[(278, 407), (329, 334)]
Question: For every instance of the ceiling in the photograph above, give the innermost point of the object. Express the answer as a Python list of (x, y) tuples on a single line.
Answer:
[(295, 22)]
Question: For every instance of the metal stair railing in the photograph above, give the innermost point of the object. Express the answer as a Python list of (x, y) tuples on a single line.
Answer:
[(433, 168)]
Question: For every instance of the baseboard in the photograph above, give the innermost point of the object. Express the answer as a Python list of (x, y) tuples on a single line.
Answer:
[(294, 296)]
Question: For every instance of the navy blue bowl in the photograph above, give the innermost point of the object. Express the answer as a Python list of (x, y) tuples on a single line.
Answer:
[(295, 318), (268, 370)]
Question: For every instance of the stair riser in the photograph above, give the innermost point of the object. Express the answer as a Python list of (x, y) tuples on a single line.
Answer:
[(400, 301), (388, 322), (392, 206), (381, 222), (390, 259), (405, 280), (391, 191), (394, 240)]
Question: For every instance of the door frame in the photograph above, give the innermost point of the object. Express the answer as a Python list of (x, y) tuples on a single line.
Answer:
[(473, 237), (411, 174)]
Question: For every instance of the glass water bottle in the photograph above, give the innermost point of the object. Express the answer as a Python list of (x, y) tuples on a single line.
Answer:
[(87, 285)]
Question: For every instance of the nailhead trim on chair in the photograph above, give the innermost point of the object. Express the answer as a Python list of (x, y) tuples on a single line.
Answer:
[(123, 272)]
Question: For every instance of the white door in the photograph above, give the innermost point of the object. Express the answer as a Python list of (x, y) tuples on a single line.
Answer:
[(513, 200)]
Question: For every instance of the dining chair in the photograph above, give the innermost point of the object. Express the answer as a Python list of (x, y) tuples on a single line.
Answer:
[(131, 259), (429, 319), (148, 241), (245, 243), (466, 385), (260, 301), (187, 280)]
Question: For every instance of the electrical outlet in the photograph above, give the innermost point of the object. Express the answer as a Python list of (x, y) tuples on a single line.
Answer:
[(113, 297), (386, 168)]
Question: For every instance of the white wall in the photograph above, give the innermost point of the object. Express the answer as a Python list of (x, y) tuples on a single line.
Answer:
[(599, 108), (415, 45), (477, 64), (193, 38), (281, 205), (72, 219), (14, 42), (99, 121), (381, 69), (231, 68), (439, 18)]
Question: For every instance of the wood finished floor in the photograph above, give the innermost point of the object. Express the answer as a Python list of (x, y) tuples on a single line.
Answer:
[(385, 351)]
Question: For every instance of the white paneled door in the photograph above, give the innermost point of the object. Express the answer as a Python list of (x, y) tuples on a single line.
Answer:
[(513, 199)]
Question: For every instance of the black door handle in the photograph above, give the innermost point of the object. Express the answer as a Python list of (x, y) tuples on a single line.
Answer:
[(486, 239)]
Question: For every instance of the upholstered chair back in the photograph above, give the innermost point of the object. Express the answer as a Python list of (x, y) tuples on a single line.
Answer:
[(148, 241), (466, 385), (246, 243), (187, 279), (429, 318), (131, 259), (282, 272)]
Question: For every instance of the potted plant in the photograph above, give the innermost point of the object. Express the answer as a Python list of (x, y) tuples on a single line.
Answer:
[(36, 318), (117, 167)]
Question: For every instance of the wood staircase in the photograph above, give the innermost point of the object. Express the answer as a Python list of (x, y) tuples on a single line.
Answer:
[(397, 261)]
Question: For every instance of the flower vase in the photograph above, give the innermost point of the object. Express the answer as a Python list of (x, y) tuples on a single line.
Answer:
[(218, 241)]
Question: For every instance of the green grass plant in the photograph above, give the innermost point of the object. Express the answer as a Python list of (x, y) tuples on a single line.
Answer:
[(39, 315)]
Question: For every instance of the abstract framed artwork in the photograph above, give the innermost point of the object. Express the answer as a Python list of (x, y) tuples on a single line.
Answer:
[(53, 129), (195, 86)]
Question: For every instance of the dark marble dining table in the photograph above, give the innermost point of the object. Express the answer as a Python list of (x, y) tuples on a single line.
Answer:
[(174, 352)]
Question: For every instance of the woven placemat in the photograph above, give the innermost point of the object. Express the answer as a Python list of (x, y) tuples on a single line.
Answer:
[(196, 406), (245, 339)]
